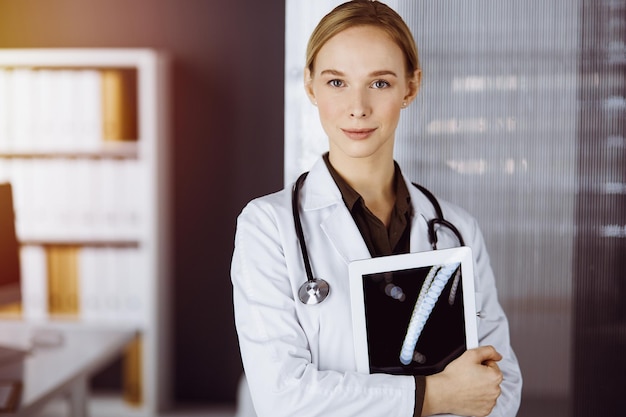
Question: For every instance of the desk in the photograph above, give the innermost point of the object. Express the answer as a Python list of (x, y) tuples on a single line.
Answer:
[(63, 370)]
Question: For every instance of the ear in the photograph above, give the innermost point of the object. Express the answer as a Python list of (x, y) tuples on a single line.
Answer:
[(308, 86), (413, 86)]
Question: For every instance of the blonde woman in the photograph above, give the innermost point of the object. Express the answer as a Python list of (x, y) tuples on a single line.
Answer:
[(362, 69)]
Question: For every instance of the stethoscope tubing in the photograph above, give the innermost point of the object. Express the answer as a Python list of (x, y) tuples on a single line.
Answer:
[(299, 233), (315, 290)]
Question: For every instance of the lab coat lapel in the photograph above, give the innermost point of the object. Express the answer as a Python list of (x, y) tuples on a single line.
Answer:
[(423, 211), (344, 235), (322, 201)]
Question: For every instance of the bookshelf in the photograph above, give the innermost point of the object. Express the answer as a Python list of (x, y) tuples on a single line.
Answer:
[(83, 141)]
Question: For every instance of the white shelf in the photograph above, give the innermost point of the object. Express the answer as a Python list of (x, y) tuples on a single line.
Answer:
[(107, 150), (106, 198)]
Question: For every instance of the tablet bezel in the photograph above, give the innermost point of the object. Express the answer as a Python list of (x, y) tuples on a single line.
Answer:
[(357, 269)]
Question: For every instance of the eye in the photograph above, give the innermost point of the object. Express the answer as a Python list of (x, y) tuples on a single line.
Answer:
[(380, 84), (335, 83)]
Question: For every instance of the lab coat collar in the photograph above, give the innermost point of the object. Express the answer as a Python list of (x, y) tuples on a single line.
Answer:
[(423, 211), (319, 190), (320, 193)]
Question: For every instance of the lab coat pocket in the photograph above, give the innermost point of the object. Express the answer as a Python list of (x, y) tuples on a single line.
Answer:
[(478, 300), (486, 322)]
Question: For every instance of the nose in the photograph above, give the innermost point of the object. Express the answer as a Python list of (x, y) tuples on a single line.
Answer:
[(359, 106)]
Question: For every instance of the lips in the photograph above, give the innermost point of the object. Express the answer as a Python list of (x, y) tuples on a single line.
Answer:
[(358, 134)]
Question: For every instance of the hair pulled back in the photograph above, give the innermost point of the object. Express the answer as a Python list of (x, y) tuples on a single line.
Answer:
[(363, 13)]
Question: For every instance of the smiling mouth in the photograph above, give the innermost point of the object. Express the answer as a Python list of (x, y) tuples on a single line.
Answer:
[(358, 134)]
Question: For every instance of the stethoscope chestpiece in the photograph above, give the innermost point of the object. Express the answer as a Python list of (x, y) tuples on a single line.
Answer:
[(313, 291)]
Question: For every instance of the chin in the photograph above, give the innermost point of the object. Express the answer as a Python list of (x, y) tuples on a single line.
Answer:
[(354, 152), (361, 149)]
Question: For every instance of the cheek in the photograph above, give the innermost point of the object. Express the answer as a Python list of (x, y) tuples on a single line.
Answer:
[(328, 110), (392, 113)]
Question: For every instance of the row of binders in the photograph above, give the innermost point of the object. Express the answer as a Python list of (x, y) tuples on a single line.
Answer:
[(94, 284), (61, 110), (77, 199)]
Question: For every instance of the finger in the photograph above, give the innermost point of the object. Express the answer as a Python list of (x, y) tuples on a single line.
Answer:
[(491, 364), (494, 367), (488, 353)]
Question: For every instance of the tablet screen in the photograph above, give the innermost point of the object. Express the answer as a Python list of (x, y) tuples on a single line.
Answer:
[(414, 319)]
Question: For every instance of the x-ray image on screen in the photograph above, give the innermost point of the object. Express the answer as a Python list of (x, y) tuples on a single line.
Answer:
[(414, 319)]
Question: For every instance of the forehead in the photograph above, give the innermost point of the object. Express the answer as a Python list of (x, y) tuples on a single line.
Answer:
[(360, 49)]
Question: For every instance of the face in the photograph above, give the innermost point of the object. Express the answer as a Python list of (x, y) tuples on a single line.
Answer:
[(360, 84)]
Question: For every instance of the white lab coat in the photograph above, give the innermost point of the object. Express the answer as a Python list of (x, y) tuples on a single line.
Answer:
[(299, 359)]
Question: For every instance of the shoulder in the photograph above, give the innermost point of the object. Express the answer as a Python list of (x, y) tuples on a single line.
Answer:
[(317, 191), (459, 216), (452, 211), (425, 207), (425, 202)]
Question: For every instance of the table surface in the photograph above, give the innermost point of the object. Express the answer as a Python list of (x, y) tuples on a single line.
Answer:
[(60, 354)]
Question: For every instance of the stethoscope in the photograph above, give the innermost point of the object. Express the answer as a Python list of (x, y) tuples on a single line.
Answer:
[(316, 290)]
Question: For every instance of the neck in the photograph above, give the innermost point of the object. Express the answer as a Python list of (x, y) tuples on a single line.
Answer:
[(372, 178)]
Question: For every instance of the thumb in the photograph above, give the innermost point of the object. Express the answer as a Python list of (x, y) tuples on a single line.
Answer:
[(487, 354)]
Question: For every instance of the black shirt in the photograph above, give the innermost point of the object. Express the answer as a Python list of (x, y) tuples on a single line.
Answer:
[(381, 240)]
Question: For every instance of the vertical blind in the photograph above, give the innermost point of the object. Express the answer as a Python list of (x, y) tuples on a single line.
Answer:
[(494, 130), (600, 250), (520, 120)]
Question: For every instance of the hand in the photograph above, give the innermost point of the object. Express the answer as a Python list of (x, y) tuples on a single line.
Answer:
[(468, 386)]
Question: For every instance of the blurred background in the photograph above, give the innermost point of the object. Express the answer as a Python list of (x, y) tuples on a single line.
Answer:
[(226, 104), (521, 120)]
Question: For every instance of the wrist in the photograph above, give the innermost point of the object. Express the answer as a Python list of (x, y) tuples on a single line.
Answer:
[(434, 395)]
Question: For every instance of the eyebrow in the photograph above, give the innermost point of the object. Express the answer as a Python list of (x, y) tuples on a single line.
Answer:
[(372, 74)]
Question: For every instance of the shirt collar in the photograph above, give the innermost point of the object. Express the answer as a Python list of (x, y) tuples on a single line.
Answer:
[(351, 197)]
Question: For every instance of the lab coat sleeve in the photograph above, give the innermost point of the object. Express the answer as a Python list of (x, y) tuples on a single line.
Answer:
[(274, 348), (493, 327)]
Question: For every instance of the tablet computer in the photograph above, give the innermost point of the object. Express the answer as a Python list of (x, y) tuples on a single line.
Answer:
[(413, 313)]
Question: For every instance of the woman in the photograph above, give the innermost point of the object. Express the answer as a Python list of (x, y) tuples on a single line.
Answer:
[(362, 69)]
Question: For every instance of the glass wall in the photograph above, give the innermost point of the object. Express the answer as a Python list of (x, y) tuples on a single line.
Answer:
[(520, 120)]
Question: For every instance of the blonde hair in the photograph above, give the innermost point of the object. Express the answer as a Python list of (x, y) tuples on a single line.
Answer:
[(363, 13)]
